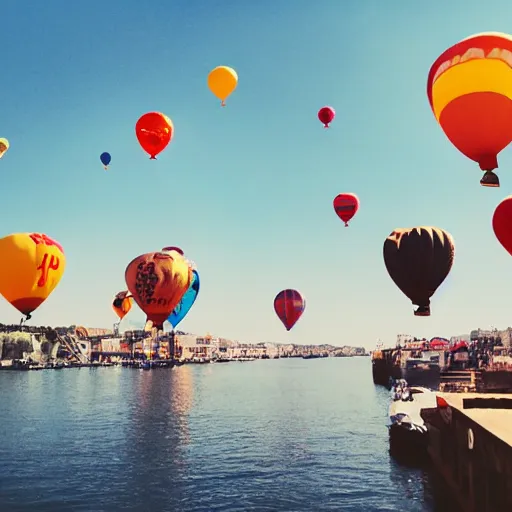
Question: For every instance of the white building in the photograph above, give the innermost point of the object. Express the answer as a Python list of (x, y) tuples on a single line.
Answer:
[(194, 346)]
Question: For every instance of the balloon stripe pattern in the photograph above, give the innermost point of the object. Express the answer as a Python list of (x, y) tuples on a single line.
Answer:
[(289, 306), (469, 88), (418, 260), (346, 206)]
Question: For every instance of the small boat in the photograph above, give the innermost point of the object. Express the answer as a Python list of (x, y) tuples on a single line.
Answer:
[(407, 431), (223, 360)]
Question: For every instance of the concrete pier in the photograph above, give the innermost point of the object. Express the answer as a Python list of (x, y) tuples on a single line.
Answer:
[(470, 445)]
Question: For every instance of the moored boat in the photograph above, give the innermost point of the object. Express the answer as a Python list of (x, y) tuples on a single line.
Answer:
[(407, 431)]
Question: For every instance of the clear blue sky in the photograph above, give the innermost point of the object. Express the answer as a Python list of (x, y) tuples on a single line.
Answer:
[(247, 190)]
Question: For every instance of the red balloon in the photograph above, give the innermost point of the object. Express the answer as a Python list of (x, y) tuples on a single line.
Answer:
[(326, 115), (154, 131), (346, 206), (502, 223), (289, 306)]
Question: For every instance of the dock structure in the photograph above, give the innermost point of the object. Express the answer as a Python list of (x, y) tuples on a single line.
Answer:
[(470, 445)]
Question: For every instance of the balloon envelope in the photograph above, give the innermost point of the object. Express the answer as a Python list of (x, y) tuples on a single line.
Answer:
[(326, 115), (502, 223), (157, 282), (32, 266), (187, 301), (222, 81), (4, 146), (470, 89), (154, 131), (105, 159), (346, 206), (418, 260), (289, 306), (122, 304)]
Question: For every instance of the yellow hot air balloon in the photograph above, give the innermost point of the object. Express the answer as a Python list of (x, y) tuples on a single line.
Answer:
[(32, 264), (222, 81), (4, 146)]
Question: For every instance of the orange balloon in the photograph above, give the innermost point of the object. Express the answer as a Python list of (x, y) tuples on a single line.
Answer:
[(122, 304), (32, 264), (154, 131), (470, 92), (157, 282)]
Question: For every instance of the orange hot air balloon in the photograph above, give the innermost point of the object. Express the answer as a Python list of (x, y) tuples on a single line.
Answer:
[(154, 132), (157, 282), (32, 264), (122, 304), (470, 91)]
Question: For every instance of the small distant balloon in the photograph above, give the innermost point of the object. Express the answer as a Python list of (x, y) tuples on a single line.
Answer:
[(4, 146), (346, 206), (289, 306), (222, 81), (326, 115), (105, 159), (154, 131), (122, 304)]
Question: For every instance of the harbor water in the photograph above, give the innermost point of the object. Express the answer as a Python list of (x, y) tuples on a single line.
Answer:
[(268, 435)]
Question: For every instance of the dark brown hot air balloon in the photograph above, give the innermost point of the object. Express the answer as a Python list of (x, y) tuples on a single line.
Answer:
[(418, 260)]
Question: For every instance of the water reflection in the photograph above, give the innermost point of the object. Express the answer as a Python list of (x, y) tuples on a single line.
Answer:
[(158, 434)]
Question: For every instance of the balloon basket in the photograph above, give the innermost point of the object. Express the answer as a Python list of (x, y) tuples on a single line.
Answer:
[(490, 179), (422, 311)]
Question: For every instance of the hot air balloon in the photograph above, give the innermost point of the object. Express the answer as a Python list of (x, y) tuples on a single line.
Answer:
[(418, 261), (326, 115), (470, 91), (154, 131), (186, 303), (157, 282), (122, 304), (32, 266), (289, 306), (105, 159), (346, 206), (4, 146), (502, 223), (222, 81)]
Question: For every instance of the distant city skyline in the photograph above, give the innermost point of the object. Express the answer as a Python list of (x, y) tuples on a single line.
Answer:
[(246, 190)]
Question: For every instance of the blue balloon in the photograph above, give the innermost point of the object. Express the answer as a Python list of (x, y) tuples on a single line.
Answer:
[(181, 310), (105, 158)]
